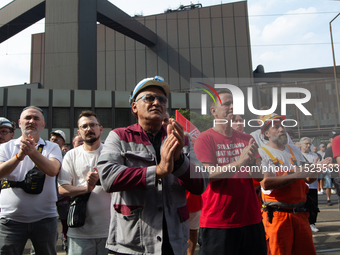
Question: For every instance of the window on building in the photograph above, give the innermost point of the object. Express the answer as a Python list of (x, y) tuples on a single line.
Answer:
[(124, 117), (105, 117), (60, 117), (13, 114)]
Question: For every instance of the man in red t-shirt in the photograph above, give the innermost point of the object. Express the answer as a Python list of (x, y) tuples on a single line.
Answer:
[(230, 216)]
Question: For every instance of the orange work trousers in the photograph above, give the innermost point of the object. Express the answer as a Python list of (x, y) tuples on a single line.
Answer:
[(289, 233)]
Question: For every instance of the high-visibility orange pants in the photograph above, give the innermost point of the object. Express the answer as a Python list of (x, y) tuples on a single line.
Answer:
[(289, 233)]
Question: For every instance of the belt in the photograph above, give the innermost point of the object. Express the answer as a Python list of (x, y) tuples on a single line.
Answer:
[(292, 210)]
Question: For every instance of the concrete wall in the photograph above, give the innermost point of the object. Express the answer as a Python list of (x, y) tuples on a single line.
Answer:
[(70, 43)]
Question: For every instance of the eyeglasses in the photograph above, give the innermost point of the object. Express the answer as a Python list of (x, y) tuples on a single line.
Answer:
[(307, 143), (33, 107), (3, 132), (91, 125), (149, 98)]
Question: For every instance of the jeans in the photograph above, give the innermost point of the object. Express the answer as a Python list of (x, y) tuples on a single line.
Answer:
[(14, 235), (80, 246)]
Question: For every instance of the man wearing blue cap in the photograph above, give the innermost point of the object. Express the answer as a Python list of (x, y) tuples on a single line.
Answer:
[(6, 130), (146, 168)]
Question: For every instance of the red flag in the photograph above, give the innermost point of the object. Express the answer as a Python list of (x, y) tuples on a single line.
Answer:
[(188, 126)]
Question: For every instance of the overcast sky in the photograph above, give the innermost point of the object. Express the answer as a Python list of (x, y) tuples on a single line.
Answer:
[(285, 34)]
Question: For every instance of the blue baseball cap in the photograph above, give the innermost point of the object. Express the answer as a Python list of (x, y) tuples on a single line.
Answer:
[(156, 81)]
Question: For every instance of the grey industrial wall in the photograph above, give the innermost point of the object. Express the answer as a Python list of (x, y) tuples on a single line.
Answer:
[(207, 42), (62, 107)]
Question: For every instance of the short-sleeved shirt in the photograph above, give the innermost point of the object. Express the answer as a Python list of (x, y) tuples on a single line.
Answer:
[(15, 203), (293, 193), (231, 202), (336, 147), (76, 164)]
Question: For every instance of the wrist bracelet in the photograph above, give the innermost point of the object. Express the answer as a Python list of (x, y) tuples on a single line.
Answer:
[(16, 155)]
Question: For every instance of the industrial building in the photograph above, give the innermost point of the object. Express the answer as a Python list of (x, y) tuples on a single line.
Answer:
[(92, 55)]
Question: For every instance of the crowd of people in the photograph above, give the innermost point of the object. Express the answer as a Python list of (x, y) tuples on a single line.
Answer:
[(148, 188)]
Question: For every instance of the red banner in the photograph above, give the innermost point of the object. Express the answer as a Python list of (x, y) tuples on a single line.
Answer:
[(188, 126)]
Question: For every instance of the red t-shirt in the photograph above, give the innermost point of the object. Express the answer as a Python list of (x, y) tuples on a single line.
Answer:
[(336, 148), (194, 202), (231, 202)]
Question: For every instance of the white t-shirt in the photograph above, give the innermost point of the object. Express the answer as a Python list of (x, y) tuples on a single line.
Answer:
[(311, 156), (284, 156), (259, 138), (76, 164), (15, 203)]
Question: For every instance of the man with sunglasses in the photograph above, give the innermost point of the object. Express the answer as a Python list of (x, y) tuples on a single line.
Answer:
[(146, 168), (25, 215), (78, 177), (6, 130)]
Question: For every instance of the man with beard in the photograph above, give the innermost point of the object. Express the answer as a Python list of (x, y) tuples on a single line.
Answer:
[(78, 176), (146, 167), (6, 130), (284, 190), (258, 135), (25, 215)]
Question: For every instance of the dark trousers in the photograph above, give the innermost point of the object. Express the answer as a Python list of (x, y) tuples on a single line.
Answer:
[(245, 240), (313, 195), (336, 182), (14, 235)]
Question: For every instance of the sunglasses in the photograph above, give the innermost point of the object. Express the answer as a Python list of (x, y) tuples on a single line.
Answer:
[(149, 98)]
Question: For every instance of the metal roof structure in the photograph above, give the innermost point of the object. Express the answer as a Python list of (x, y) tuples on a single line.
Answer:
[(71, 34)]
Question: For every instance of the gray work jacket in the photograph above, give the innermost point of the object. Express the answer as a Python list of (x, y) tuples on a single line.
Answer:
[(127, 167)]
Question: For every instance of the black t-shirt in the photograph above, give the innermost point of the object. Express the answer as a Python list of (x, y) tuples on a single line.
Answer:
[(156, 141)]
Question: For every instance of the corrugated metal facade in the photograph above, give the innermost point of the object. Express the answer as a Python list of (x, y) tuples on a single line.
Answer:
[(209, 42)]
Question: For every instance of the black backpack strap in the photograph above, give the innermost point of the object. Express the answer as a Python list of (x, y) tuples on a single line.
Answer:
[(5, 184)]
